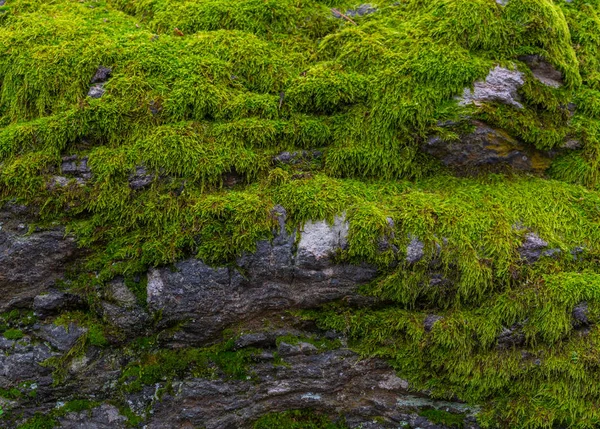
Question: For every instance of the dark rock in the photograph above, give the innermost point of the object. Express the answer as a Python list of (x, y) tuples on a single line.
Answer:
[(286, 349), (30, 263), (486, 149), (132, 320), (103, 417), (297, 157), (500, 86), (532, 248), (140, 179), (543, 71), (76, 166), (580, 315), (54, 302), (280, 275), (511, 337), (415, 251), (259, 339), (60, 337), (362, 10), (328, 382), (430, 320), (20, 361), (102, 75), (96, 91)]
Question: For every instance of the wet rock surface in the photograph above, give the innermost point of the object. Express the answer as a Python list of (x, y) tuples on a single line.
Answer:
[(542, 70), (279, 275), (486, 149), (31, 262), (328, 382), (500, 86)]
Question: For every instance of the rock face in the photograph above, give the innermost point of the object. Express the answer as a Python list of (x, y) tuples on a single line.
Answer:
[(543, 71), (31, 263), (278, 276), (486, 149), (329, 381)]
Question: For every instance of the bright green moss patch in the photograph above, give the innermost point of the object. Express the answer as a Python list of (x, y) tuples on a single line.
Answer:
[(297, 419), (164, 365), (444, 418), (13, 334)]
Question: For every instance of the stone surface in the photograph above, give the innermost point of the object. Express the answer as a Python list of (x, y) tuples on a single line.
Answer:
[(532, 247), (60, 337), (329, 382), (103, 417), (543, 71), (96, 91), (486, 149), (363, 9), (580, 315), (278, 276), (54, 302), (500, 86), (415, 251), (101, 75), (31, 263), (140, 179)]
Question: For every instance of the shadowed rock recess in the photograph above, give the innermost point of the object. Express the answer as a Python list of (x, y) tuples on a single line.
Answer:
[(316, 214)]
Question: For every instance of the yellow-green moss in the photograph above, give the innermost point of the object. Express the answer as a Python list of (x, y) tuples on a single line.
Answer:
[(203, 94)]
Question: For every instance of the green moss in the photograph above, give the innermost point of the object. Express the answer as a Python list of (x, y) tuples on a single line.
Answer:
[(13, 334), (444, 418), (164, 365), (297, 419), (204, 94), (39, 421)]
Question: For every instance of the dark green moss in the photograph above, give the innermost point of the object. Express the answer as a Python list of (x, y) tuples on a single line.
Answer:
[(13, 334), (445, 418), (297, 419)]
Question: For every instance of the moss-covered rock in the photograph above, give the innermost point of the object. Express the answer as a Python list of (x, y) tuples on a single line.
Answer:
[(437, 162)]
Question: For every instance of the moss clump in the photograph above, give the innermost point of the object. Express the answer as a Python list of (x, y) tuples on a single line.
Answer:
[(13, 334), (297, 419), (444, 418)]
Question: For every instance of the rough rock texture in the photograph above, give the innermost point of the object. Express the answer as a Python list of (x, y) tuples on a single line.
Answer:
[(543, 71), (103, 417), (31, 263), (278, 276), (331, 381), (500, 86), (486, 149)]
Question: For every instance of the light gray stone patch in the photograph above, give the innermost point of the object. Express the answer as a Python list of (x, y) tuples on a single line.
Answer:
[(500, 86)]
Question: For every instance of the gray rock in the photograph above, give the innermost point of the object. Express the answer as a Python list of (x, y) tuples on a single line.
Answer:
[(286, 349), (580, 314), (103, 417), (511, 337), (334, 382), (276, 277), (21, 361), (102, 75), (2, 2), (486, 149), (543, 71), (131, 319), (140, 179), (118, 292), (296, 157), (415, 251), (362, 10), (76, 166), (500, 86), (30, 263), (60, 337), (54, 302), (259, 339), (431, 320), (96, 91), (532, 248)]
